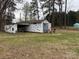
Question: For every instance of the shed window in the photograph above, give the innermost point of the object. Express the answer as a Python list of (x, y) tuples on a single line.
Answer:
[(12, 29)]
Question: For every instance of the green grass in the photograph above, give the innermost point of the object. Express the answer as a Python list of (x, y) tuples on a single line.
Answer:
[(68, 41), (24, 38), (76, 50)]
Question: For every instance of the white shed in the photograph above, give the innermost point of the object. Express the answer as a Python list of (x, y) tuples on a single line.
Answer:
[(39, 26), (12, 28)]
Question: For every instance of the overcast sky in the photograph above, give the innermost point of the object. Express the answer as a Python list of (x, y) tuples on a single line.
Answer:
[(73, 5)]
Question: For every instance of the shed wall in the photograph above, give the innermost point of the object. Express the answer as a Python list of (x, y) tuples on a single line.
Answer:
[(35, 27), (11, 28)]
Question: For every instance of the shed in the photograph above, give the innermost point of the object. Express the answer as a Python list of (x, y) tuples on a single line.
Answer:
[(11, 28), (16, 27), (41, 26), (22, 26)]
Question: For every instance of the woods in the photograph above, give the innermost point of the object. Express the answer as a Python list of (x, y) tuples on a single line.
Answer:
[(6, 12), (7, 8), (52, 10)]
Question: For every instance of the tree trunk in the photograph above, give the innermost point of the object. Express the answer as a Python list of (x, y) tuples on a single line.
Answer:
[(65, 14)]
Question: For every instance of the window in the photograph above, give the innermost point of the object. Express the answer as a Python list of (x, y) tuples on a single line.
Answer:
[(12, 29)]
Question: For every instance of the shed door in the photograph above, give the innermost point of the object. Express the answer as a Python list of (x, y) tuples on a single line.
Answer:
[(45, 27)]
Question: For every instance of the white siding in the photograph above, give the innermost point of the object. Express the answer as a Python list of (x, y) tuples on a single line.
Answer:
[(35, 28), (38, 27), (11, 28)]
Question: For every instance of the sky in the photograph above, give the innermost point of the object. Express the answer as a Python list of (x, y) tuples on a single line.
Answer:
[(72, 5)]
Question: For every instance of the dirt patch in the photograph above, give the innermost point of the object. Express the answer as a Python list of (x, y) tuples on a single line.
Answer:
[(39, 51)]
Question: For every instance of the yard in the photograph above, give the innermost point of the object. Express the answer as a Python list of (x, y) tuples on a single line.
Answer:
[(64, 44)]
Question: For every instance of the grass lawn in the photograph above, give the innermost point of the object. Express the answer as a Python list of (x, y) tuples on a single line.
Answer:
[(61, 45)]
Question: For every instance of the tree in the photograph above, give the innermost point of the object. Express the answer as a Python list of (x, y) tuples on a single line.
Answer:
[(26, 9), (50, 9), (35, 8), (19, 1), (72, 17), (77, 15), (6, 16), (60, 4)]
